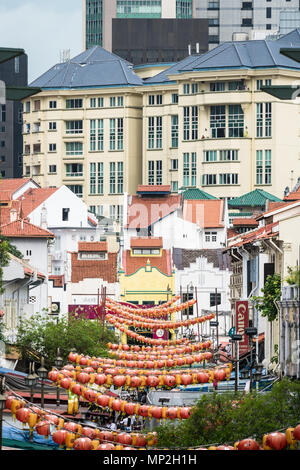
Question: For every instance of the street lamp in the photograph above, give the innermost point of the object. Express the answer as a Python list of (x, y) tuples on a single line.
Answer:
[(250, 332), (58, 363), (2, 405), (43, 374), (30, 380)]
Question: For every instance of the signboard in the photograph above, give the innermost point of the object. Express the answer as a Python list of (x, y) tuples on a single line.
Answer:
[(242, 322), (160, 334)]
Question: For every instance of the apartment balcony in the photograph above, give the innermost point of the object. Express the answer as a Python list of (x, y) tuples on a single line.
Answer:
[(208, 98)]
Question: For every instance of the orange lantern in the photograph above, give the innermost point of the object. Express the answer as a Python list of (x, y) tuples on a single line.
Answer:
[(100, 379), (169, 381), (117, 405), (43, 429), (106, 447), (296, 432), (248, 444), (119, 381), (185, 412), (186, 379), (106, 436), (89, 432), (82, 443), (65, 383), (124, 438), (83, 378), (172, 413), (275, 441), (103, 400), (220, 375), (143, 411), (152, 381), (60, 437)]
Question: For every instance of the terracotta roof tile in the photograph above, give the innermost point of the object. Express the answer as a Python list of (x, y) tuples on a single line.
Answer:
[(94, 269), (58, 280), (146, 242), (143, 212), (92, 246), (154, 188), (248, 222), (22, 228), (293, 196), (205, 213), (132, 263), (34, 197)]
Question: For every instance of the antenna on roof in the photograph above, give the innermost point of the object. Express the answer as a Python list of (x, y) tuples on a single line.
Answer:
[(65, 55)]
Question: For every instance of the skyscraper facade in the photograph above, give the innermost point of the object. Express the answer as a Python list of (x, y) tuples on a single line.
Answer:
[(98, 15), (238, 16)]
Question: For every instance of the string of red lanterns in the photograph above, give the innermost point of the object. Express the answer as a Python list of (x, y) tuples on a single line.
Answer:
[(160, 349)]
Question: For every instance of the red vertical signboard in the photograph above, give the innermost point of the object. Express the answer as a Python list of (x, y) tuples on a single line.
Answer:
[(241, 322)]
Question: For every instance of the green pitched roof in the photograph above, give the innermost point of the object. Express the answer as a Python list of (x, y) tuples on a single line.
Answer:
[(258, 197), (196, 193)]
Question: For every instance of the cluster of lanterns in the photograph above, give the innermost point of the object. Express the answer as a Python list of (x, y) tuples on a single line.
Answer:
[(160, 311), (116, 348), (159, 342), (137, 379), (154, 325), (70, 435), (141, 361)]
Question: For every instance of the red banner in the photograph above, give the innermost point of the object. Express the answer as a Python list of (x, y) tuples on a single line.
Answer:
[(242, 322)]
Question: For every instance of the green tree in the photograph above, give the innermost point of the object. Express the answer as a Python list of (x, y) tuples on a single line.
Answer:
[(265, 304), (44, 335), (227, 418)]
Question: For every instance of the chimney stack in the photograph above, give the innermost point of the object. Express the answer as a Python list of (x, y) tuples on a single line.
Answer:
[(13, 215)]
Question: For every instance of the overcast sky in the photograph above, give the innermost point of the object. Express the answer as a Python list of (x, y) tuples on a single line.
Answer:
[(42, 28)]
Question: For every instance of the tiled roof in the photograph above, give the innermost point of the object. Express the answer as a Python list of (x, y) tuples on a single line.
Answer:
[(183, 258), (28, 269), (231, 233), (144, 211), (13, 184), (146, 242), (293, 196), (95, 67), (205, 213), (267, 231), (58, 280), (24, 229), (152, 188), (94, 269), (34, 197), (255, 198), (248, 222), (92, 246), (132, 263), (196, 193)]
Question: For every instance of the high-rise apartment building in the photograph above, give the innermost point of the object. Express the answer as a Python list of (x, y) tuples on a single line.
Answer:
[(98, 15), (238, 16)]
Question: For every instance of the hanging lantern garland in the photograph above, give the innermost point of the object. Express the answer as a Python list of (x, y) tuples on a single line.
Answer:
[(70, 435), (152, 312), (116, 348), (141, 362)]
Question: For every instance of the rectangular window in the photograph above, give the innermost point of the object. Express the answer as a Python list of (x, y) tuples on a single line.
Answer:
[(27, 106), (210, 155), (158, 99), (259, 119), (52, 104), (236, 85), (74, 148), (36, 148), (259, 84), (74, 103), (120, 177), (120, 214), (100, 135), (217, 86), (112, 212), (194, 169), (228, 155), (194, 133), (259, 167), (158, 132), (74, 127), (120, 101), (186, 170), (100, 178), (174, 186), (208, 180), (268, 119), (186, 123), (93, 102), (186, 89), (52, 126), (52, 147), (92, 135), (151, 132), (151, 172), (100, 102), (194, 88), (217, 121), (112, 178), (174, 164), (76, 189), (37, 105), (213, 301), (52, 169), (159, 172), (174, 98), (120, 134), (268, 167), (151, 100), (228, 178), (112, 134), (235, 121), (74, 169), (112, 102), (174, 131), (92, 178)]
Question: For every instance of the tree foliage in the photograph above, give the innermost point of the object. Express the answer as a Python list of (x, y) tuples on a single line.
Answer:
[(44, 335), (265, 304), (227, 418)]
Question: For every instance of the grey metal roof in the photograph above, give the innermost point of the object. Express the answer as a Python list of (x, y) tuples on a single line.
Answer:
[(236, 54), (95, 67)]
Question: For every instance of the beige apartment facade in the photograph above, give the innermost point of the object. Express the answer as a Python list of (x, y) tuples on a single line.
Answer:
[(224, 134)]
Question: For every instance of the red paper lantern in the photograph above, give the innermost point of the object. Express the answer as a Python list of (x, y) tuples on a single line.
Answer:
[(186, 379), (83, 443), (156, 412), (185, 412), (135, 382), (248, 444), (124, 438), (129, 408), (43, 428), (83, 378), (143, 411), (72, 427), (65, 383), (276, 440), (106, 436), (60, 437), (103, 400), (219, 375), (202, 377), (76, 389), (172, 413), (89, 432), (169, 381), (106, 447), (119, 381), (100, 379), (117, 405), (22, 414), (152, 381)]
